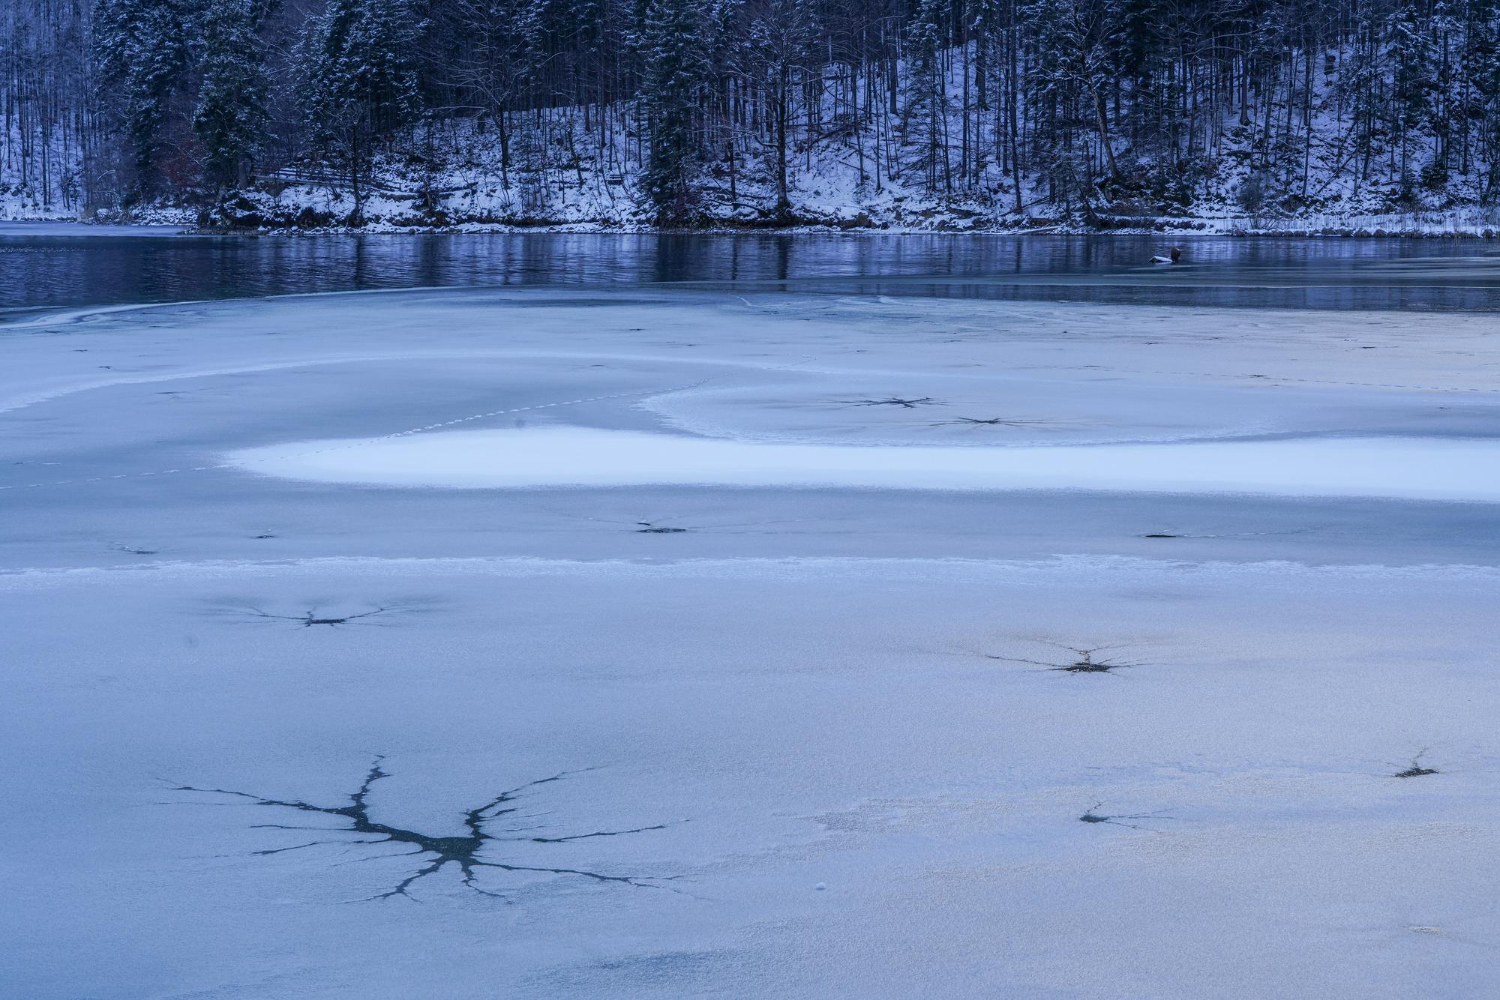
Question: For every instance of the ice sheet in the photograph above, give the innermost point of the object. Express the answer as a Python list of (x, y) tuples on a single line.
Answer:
[(750, 741), (24, 228), (788, 724)]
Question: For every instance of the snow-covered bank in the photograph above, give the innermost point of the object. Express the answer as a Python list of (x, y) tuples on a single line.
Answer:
[(283, 215), (648, 739), (319, 208)]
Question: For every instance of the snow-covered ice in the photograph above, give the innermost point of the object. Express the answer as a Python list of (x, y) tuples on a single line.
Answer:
[(1454, 469), (48, 228), (680, 713)]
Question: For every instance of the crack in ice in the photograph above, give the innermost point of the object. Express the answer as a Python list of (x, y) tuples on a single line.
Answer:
[(464, 850)]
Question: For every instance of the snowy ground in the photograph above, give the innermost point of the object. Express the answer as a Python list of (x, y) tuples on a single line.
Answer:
[(287, 692)]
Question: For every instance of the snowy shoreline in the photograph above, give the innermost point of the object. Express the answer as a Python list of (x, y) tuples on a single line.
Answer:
[(1184, 228)]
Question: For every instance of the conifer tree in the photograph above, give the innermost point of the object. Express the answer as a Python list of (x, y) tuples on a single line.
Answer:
[(144, 50), (781, 33), (926, 99), (231, 116), (359, 84), (672, 47)]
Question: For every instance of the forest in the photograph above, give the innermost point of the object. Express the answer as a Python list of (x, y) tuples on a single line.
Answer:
[(943, 113)]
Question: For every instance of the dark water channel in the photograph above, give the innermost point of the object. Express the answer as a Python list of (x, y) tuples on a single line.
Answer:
[(46, 267)]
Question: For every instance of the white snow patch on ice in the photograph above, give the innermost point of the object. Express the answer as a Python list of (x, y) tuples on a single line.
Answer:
[(28, 228), (1417, 468)]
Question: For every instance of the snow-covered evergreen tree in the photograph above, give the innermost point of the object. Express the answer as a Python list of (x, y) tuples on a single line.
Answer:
[(144, 52), (927, 93), (1413, 81), (231, 116), (359, 82), (1480, 101), (782, 34), (674, 51)]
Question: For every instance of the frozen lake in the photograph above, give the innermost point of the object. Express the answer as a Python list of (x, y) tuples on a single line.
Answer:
[(612, 635)]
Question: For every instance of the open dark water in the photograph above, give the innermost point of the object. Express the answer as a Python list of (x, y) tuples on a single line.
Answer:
[(46, 267)]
